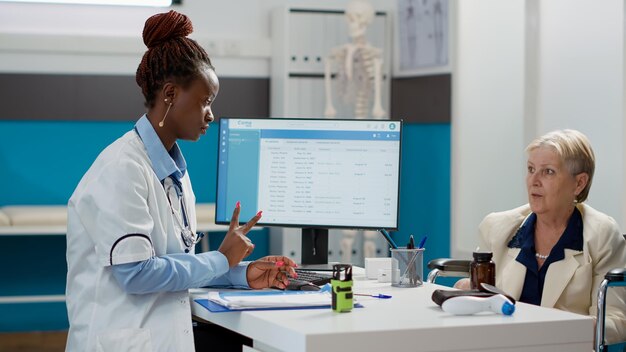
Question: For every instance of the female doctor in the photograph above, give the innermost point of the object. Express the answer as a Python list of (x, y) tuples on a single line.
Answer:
[(132, 220)]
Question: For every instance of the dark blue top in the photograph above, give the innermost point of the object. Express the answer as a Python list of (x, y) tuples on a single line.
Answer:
[(524, 239)]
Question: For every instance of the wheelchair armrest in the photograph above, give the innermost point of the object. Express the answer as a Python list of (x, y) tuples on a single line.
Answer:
[(615, 275), (447, 264)]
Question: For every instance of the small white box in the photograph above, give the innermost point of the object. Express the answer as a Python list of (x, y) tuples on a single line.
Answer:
[(384, 275), (373, 264)]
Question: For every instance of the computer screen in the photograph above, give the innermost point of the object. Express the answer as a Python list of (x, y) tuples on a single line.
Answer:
[(310, 173)]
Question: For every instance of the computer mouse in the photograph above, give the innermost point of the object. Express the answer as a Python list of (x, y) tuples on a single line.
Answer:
[(309, 287)]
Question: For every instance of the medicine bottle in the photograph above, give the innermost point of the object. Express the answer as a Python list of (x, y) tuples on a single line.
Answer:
[(482, 269)]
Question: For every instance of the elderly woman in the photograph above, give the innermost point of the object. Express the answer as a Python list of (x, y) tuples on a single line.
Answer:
[(555, 251)]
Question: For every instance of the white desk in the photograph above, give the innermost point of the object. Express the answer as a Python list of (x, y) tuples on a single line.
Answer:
[(409, 321)]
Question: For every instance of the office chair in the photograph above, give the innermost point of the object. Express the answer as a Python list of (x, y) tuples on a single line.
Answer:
[(447, 267)]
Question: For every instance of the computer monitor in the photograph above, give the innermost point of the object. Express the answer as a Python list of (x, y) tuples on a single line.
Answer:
[(314, 174)]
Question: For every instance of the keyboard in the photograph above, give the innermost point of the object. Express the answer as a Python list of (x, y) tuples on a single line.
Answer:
[(306, 278)]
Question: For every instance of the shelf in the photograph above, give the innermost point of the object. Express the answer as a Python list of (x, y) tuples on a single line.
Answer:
[(32, 230), (62, 230), (32, 299), (57, 228)]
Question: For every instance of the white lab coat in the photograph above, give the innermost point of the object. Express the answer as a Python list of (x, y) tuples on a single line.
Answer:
[(119, 213)]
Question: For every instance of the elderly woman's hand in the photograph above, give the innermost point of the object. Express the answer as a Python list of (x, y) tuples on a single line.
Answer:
[(271, 271), (463, 284)]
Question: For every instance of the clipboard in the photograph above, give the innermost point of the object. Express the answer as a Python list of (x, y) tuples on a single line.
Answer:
[(216, 307)]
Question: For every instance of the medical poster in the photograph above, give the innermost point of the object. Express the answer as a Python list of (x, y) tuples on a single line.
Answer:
[(423, 34)]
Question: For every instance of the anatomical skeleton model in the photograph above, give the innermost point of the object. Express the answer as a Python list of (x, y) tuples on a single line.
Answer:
[(359, 77), (359, 64)]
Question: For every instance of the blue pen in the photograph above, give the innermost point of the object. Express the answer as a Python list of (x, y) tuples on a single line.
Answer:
[(388, 238), (422, 242), (380, 295)]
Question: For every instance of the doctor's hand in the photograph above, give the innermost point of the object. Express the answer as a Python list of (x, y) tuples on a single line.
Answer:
[(236, 245), (271, 271)]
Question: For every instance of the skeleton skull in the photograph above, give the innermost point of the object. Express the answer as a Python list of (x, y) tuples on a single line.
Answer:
[(359, 14)]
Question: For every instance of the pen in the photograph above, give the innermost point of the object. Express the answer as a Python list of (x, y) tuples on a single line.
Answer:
[(380, 295), (422, 242), (410, 270), (411, 244), (388, 238)]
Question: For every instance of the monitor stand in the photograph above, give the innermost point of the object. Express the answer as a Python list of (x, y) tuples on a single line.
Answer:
[(315, 250)]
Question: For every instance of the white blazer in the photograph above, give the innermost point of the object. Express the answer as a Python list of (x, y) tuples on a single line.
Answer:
[(119, 213), (572, 283)]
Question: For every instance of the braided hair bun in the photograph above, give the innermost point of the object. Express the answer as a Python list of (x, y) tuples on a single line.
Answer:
[(165, 26), (171, 56)]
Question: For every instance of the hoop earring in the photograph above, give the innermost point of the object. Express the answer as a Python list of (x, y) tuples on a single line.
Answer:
[(162, 123)]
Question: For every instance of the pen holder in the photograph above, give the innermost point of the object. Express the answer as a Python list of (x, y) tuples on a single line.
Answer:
[(407, 267)]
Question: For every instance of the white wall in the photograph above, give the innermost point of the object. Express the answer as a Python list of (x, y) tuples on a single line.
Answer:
[(582, 86), (107, 39), (526, 67), (487, 115)]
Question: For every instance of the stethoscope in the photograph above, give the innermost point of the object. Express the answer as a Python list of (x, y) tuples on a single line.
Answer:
[(178, 206)]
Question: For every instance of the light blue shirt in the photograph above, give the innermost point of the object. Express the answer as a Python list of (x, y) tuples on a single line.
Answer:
[(180, 271), (164, 163)]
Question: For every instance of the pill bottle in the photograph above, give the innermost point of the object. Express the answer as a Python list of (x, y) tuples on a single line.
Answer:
[(482, 269)]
